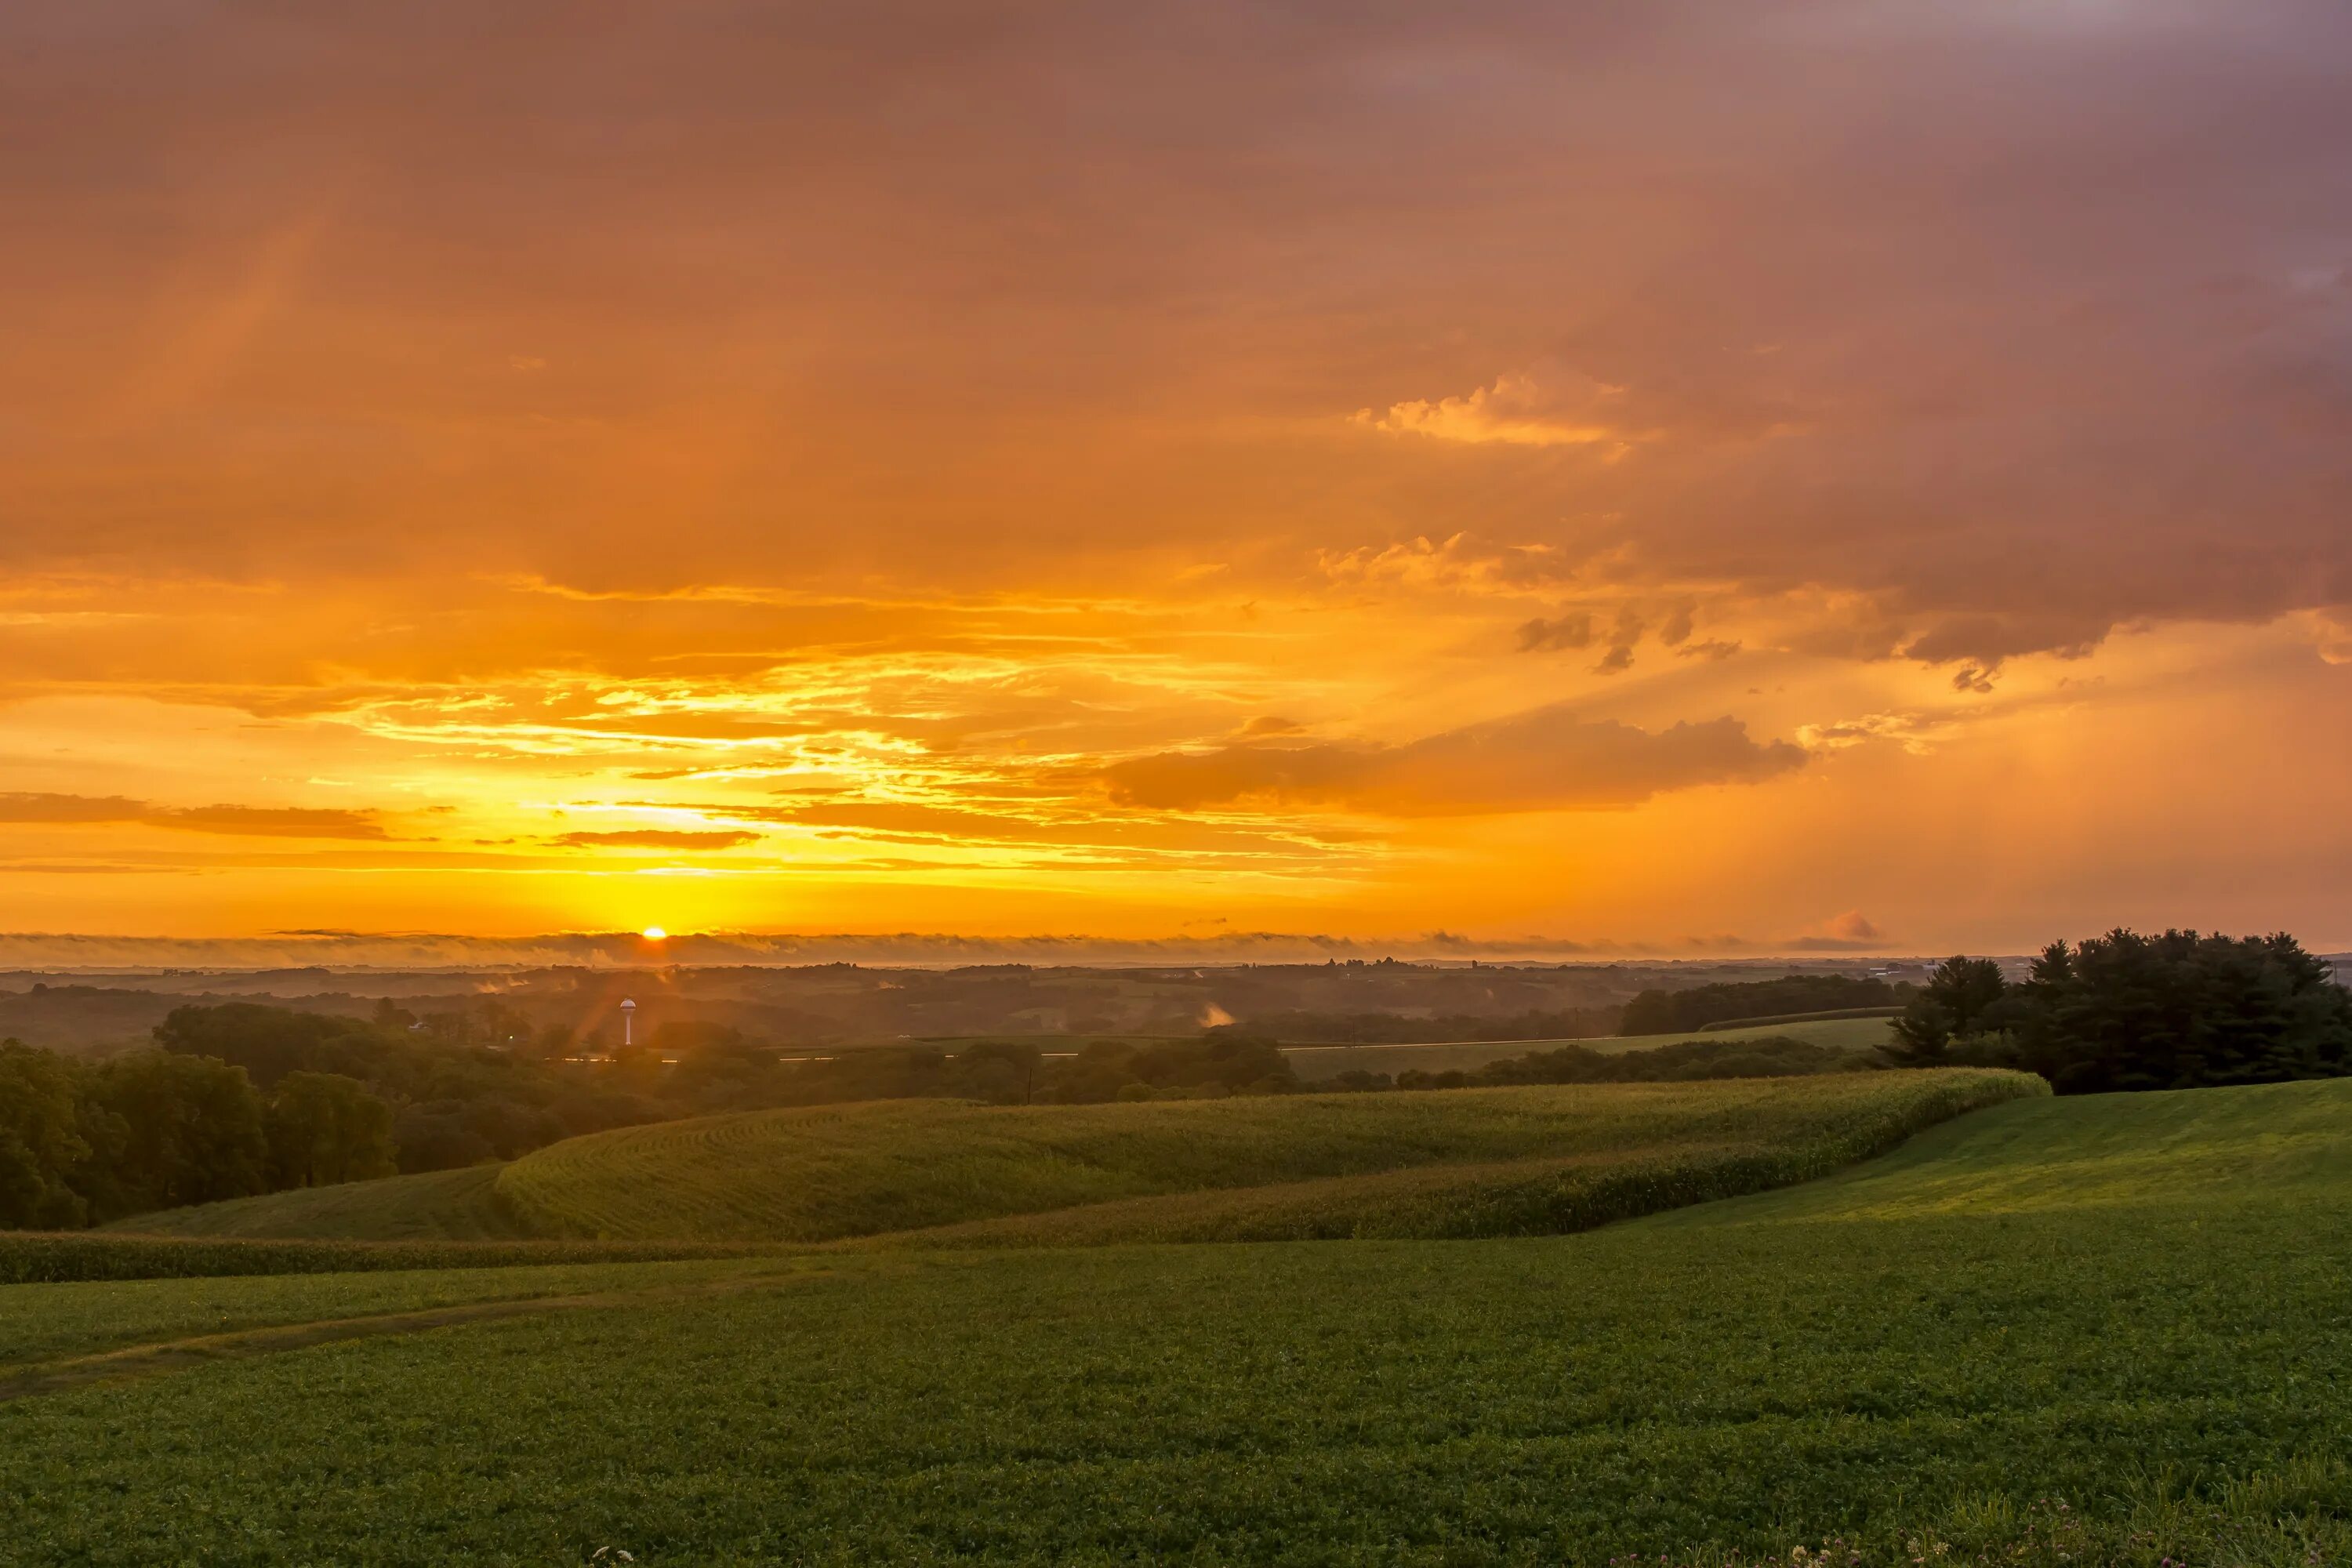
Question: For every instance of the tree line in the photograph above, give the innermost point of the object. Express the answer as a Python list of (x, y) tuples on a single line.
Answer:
[(241, 1099), (1681, 1011), (83, 1144), (2127, 1012)]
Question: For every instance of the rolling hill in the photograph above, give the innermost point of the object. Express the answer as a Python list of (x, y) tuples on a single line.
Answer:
[(1859, 1035), (436, 1205), (1466, 1161), (2057, 1332)]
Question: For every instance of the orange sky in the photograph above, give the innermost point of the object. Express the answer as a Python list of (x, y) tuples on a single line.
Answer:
[(1692, 476)]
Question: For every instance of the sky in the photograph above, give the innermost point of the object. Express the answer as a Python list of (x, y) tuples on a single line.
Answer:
[(1650, 477)]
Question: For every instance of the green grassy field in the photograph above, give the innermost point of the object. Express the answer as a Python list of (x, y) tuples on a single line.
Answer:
[(438, 1205), (1312, 1062), (499, 1202), (1777, 1020), (2102, 1330), (1522, 1160), (1856, 1034), (41, 1323), (29, 1257), (2274, 1146), (1657, 1148)]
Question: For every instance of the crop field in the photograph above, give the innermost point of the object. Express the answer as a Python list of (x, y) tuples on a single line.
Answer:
[(1467, 1162), (2190, 1153), (43, 1323), (28, 1258), (2097, 1329), (1845, 1033), (1780, 1019), (1856, 1034), (1052, 1044), (1790, 1137), (438, 1205)]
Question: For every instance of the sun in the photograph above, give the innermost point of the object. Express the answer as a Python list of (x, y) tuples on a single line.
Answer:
[(656, 934)]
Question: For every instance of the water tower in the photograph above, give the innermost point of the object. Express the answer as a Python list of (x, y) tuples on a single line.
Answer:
[(628, 1021)]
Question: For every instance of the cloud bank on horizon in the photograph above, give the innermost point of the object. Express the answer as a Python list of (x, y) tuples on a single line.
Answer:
[(1583, 468), (339, 950)]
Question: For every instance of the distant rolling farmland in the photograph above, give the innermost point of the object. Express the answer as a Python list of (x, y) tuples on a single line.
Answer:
[(1328, 1061), (2095, 1330), (1527, 1159), (1323, 1061)]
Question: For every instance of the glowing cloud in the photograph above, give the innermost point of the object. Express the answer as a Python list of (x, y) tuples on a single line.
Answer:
[(906, 480), (1549, 758), (1516, 411), (242, 821)]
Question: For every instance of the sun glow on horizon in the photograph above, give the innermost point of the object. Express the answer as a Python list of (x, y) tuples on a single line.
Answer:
[(1365, 554)]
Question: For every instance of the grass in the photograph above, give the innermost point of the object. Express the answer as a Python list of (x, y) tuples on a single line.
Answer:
[(41, 1323), (436, 1205), (822, 1174), (1856, 1034), (1542, 1158), (1842, 1031), (1061, 1043), (2286, 1146), (1720, 1145), (1770, 1019), (52, 1256), (2110, 1327)]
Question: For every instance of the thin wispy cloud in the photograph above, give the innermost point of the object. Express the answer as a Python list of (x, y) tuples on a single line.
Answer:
[(1551, 759), (1515, 411), (29, 807)]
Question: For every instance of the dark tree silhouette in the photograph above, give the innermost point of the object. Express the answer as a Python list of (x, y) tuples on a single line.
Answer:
[(1962, 1000), (324, 1127), (2182, 1010)]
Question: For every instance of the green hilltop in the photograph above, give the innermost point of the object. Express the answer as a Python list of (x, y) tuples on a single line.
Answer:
[(2093, 1329), (1527, 1159)]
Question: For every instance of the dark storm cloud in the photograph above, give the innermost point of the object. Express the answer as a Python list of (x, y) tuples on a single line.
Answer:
[(2022, 320)]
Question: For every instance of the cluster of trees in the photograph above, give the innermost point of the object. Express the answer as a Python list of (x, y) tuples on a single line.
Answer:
[(242, 1098), (2182, 1010), (452, 1102), (568, 1012), (1680, 1012), (480, 1021), (82, 1143), (1686, 1061)]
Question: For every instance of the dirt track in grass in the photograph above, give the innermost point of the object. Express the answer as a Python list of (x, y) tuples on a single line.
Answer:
[(136, 1362)]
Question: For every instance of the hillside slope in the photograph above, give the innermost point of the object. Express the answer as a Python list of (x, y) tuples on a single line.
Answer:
[(2282, 1144), (2091, 1331), (1860, 1036), (1473, 1162), (436, 1205), (819, 1175)]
